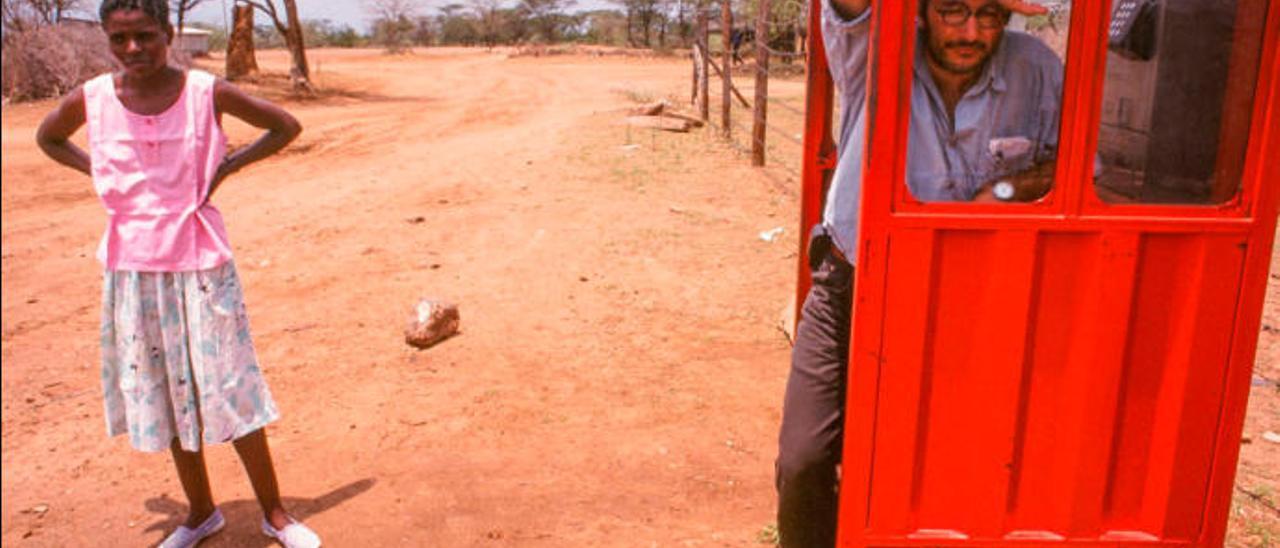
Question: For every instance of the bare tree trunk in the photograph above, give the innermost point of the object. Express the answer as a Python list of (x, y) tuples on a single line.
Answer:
[(300, 73), (291, 30), (646, 19), (240, 57), (630, 42)]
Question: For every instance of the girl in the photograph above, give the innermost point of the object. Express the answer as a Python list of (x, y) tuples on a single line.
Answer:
[(178, 366)]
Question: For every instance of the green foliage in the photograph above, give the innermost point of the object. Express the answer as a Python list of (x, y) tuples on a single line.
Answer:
[(768, 535), (394, 34), (547, 18), (604, 27), (325, 33)]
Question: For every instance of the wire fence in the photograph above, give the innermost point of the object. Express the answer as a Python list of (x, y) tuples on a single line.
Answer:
[(767, 122)]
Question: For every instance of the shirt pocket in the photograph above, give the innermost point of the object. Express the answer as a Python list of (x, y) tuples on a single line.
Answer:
[(1009, 155)]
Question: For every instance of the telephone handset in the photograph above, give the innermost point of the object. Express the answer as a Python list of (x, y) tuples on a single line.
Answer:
[(1133, 29)]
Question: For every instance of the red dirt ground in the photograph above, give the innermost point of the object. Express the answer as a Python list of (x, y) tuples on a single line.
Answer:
[(618, 377)]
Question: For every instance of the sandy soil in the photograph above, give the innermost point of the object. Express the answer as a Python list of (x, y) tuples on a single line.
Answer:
[(619, 374)]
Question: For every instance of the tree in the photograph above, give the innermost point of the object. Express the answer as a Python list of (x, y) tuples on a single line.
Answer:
[(607, 27), (326, 33), (12, 17), (424, 31), (456, 25), (546, 16), (641, 14), (787, 25), (180, 9), (488, 21), (291, 29), (393, 21), (52, 11), (679, 13), (240, 56), (19, 15)]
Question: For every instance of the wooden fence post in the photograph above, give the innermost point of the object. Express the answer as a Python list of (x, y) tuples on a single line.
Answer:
[(704, 104), (762, 84), (697, 63), (726, 61)]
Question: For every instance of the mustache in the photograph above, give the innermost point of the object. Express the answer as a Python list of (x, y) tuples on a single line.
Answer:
[(963, 44)]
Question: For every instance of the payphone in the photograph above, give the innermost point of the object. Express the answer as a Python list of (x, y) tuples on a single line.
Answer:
[(1132, 31), (1167, 99)]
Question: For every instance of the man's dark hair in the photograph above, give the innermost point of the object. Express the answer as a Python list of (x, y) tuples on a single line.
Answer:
[(157, 9)]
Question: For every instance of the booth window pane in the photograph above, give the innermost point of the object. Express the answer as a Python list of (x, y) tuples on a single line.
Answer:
[(1177, 96), (986, 101)]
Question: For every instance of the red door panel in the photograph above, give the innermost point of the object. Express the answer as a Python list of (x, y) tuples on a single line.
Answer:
[(1071, 372)]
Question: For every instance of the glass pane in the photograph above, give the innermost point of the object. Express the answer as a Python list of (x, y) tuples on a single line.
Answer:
[(1177, 98), (986, 102)]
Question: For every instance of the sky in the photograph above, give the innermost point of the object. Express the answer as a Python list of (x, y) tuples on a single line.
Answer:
[(348, 12)]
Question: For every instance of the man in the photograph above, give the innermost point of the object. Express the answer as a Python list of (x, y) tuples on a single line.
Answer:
[(984, 126), (737, 38)]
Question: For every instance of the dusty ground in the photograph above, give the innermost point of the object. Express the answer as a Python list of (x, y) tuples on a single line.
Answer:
[(618, 378)]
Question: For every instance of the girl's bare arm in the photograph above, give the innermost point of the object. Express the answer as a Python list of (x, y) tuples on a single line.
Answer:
[(54, 135), (281, 128)]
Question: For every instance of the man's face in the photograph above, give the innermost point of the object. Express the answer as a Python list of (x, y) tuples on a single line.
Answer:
[(962, 34)]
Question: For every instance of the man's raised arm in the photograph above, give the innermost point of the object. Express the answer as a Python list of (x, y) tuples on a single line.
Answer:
[(846, 30)]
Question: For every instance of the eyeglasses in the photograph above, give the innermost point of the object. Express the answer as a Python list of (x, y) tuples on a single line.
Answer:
[(989, 17)]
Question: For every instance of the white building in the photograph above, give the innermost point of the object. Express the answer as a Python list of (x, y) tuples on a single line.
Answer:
[(195, 42)]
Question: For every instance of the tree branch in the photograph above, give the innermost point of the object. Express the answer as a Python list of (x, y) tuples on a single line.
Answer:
[(269, 8)]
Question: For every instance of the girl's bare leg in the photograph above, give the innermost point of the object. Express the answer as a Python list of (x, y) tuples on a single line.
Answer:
[(256, 457), (195, 483)]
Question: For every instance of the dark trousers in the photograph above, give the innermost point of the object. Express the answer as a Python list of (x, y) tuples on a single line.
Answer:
[(809, 444)]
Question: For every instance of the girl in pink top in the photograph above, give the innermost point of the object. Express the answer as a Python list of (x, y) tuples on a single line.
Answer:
[(178, 365)]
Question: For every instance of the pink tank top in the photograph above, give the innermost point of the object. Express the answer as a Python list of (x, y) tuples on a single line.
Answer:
[(152, 173)]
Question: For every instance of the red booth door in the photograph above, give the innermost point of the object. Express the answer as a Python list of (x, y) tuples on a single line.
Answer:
[(1071, 371)]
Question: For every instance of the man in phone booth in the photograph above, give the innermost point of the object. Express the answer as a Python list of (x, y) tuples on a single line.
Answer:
[(984, 126)]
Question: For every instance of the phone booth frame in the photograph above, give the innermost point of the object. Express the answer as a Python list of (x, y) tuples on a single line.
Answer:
[(1184, 493)]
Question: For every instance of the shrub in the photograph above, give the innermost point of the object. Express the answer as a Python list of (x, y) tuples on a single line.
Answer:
[(50, 61)]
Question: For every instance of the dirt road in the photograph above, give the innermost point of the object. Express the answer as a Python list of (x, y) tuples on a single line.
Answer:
[(617, 380), (618, 377)]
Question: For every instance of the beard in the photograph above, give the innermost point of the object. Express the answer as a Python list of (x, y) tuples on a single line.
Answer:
[(939, 53)]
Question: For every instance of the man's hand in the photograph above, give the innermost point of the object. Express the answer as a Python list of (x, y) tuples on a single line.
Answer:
[(850, 9), (985, 196), (1028, 186), (1022, 7)]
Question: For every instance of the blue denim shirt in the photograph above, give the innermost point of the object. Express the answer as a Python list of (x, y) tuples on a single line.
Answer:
[(1005, 123)]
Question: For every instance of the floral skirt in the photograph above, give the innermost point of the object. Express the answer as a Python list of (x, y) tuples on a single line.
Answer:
[(178, 361)]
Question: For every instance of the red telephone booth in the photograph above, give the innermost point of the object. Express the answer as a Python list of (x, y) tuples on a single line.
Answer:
[(1072, 370)]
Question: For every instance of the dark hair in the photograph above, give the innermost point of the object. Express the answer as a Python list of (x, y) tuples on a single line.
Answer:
[(157, 9)]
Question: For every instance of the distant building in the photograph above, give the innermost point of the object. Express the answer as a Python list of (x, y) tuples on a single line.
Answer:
[(79, 22), (193, 41)]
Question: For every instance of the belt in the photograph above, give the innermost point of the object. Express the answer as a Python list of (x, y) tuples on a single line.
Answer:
[(834, 250)]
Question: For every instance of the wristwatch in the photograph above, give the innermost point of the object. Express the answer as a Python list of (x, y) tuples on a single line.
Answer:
[(1003, 191)]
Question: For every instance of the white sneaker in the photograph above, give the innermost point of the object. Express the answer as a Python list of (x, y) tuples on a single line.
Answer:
[(186, 537), (293, 535)]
